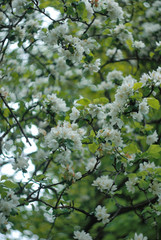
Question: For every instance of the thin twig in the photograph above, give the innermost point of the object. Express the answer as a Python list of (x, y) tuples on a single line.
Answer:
[(3, 99)]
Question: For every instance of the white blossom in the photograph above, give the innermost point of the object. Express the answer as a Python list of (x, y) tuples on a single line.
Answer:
[(114, 75), (130, 184), (82, 235), (144, 79), (56, 33), (122, 95), (146, 165), (65, 131), (18, 4), (143, 107), (158, 44), (88, 7), (4, 92), (91, 164), (3, 219), (100, 213), (139, 237), (2, 16), (122, 33), (114, 10), (114, 53), (51, 142), (152, 138), (7, 204), (9, 145), (111, 135), (150, 28), (21, 162), (155, 76), (138, 44), (93, 67), (137, 116), (13, 198), (78, 175), (105, 183), (74, 115), (155, 188), (57, 104)]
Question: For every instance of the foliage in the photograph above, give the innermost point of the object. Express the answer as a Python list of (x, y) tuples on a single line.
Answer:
[(80, 119)]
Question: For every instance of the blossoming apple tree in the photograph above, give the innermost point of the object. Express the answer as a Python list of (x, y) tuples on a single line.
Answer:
[(89, 81)]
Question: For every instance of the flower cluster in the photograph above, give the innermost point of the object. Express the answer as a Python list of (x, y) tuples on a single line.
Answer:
[(57, 104), (104, 183), (152, 77), (82, 235), (95, 49), (74, 115), (138, 44), (21, 162), (114, 53), (7, 205), (100, 213), (155, 188), (111, 136), (139, 237), (97, 111), (143, 110), (111, 78), (69, 47), (130, 184), (65, 131), (152, 138), (124, 92), (123, 33), (91, 164), (114, 10)]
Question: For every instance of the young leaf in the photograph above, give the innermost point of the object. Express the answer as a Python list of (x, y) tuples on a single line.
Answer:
[(154, 103)]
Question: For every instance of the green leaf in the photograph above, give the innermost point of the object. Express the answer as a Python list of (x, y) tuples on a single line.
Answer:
[(132, 175), (154, 103), (44, 4), (4, 177), (81, 8), (39, 177), (10, 184), (22, 200), (143, 184), (106, 31), (154, 151), (70, 11), (51, 26), (85, 36), (93, 147), (131, 148), (86, 141), (71, 49), (158, 171), (158, 178), (88, 58), (130, 44), (6, 112), (137, 96), (148, 127), (69, 62), (69, 143), (151, 54), (84, 101), (29, 185), (101, 100), (137, 85), (92, 133)]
